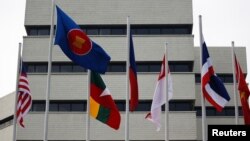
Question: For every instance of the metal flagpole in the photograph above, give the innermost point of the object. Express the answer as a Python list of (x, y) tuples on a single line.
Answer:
[(202, 97), (16, 95), (88, 106), (166, 104), (234, 88), (127, 83), (49, 71)]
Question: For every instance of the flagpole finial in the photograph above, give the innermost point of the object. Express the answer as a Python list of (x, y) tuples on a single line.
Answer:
[(232, 43), (200, 16), (128, 17)]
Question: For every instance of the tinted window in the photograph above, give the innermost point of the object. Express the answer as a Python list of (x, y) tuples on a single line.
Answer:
[(77, 68), (41, 68), (64, 107), (92, 31), (105, 31), (78, 107), (55, 68), (33, 32), (155, 31), (38, 107), (118, 31), (53, 107), (66, 68), (43, 32)]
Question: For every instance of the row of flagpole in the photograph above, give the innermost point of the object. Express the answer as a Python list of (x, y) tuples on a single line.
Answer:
[(127, 87)]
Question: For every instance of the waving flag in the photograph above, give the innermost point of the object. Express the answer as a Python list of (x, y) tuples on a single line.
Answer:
[(24, 100), (102, 106), (159, 98), (133, 77), (212, 87), (243, 90), (77, 46)]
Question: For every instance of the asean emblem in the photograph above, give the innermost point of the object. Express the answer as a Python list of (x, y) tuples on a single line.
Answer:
[(79, 42)]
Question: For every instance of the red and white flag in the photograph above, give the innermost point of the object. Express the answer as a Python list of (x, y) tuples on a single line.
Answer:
[(159, 98), (24, 97)]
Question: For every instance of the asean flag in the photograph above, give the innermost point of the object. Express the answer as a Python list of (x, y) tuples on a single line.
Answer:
[(78, 46)]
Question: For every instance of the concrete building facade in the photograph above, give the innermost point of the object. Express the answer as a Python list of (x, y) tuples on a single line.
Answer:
[(153, 22)]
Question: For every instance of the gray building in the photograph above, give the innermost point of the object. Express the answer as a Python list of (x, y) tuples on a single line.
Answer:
[(153, 22)]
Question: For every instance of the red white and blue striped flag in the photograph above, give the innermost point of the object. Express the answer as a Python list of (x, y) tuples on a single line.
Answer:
[(24, 97), (212, 87)]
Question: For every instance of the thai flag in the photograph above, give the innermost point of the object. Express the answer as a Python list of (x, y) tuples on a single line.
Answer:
[(212, 87)]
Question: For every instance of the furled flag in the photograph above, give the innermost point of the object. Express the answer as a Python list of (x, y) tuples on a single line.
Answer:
[(24, 100), (159, 98), (133, 77), (78, 46), (212, 87), (243, 90), (102, 106)]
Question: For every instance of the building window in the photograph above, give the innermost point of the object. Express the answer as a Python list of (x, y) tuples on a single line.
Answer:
[(112, 67), (211, 111), (226, 78), (105, 31), (118, 29), (142, 31), (64, 107), (92, 31), (77, 68), (78, 107), (181, 66), (33, 32), (117, 67), (55, 68), (53, 107), (71, 106), (155, 31), (66, 68), (38, 106), (43, 31)]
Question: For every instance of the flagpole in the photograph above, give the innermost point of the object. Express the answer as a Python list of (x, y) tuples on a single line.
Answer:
[(202, 97), (49, 71), (88, 106), (16, 95), (234, 87), (127, 83), (166, 104)]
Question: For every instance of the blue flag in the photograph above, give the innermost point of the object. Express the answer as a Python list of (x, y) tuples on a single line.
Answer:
[(78, 46)]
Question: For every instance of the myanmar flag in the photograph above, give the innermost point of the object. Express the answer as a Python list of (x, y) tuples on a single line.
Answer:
[(102, 106)]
